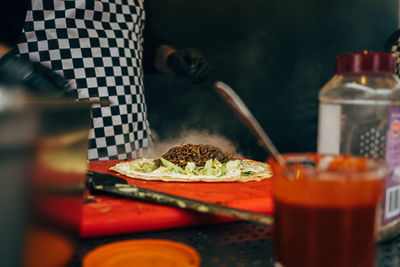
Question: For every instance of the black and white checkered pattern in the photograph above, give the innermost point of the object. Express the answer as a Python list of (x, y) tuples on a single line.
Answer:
[(98, 46), (395, 49)]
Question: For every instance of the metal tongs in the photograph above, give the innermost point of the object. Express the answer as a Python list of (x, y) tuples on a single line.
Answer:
[(234, 101)]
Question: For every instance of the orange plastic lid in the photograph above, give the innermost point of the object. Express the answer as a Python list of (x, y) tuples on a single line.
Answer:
[(143, 253), (45, 248)]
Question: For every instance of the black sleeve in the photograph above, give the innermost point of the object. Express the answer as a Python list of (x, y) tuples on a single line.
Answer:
[(151, 42), (12, 18)]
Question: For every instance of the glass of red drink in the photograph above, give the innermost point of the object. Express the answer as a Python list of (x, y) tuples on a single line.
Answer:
[(325, 211)]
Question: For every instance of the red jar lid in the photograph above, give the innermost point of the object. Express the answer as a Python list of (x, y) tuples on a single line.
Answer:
[(366, 61)]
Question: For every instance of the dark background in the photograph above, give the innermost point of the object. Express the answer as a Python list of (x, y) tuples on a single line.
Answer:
[(275, 54)]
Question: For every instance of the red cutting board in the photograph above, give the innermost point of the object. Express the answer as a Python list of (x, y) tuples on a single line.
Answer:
[(111, 215)]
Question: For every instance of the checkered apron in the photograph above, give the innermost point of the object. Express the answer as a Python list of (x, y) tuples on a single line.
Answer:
[(395, 50), (98, 46)]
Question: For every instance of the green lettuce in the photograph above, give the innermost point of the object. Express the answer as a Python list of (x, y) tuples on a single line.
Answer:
[(172, 167), (191, 169), (213, 167), (143, 165)]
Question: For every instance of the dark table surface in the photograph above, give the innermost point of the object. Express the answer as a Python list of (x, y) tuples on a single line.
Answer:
[(236, 244)]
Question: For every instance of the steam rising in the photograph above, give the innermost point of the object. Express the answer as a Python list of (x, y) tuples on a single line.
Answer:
[(192, 137)]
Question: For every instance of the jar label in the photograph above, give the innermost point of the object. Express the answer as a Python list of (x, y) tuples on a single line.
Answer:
[(329, 127), (392, 186)]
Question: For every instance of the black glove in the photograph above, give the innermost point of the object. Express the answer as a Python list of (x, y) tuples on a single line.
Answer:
[(190, 63), (34, 77)]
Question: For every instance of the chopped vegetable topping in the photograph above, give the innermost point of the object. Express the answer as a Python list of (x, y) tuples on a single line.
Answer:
[(213, 167), (145, 165)]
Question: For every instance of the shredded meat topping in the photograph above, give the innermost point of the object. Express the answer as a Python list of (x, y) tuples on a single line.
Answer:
[(199, 154)]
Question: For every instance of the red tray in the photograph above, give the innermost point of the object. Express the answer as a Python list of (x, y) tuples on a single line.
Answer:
[(110, 215)]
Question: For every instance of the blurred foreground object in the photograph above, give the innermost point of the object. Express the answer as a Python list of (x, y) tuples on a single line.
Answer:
[(325, 214), (34, 77), (359, 114), (43, 151), (143, 253)]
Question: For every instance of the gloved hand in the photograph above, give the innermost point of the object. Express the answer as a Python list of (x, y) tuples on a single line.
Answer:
[(34, 77), (190, 63)]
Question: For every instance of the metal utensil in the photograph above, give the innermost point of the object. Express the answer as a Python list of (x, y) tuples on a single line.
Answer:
[(110, 184), (234, 101)]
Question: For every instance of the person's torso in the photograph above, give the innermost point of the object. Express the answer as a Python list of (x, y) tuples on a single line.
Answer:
[(98, 46)]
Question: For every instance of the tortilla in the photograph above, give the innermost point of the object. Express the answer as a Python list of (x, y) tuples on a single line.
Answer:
[(259, 172)]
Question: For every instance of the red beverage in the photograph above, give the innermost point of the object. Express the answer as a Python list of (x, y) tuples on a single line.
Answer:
[(327, 217)]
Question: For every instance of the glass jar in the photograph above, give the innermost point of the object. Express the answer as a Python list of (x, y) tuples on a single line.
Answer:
[(359, 114)]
